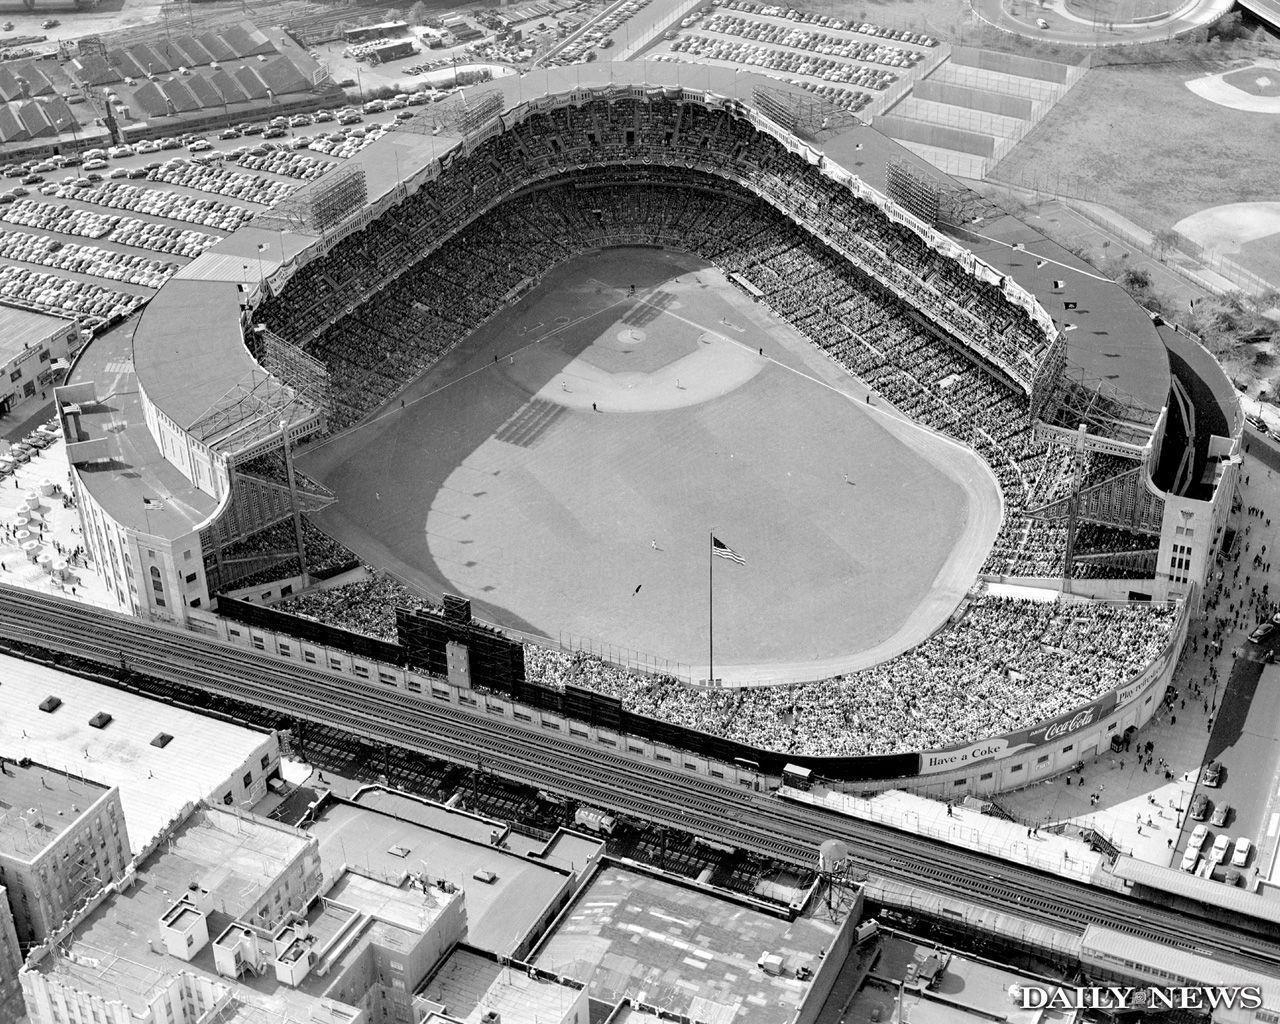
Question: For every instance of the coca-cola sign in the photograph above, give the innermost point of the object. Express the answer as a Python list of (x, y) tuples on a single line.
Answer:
[(1003, 747), (1076, 721)]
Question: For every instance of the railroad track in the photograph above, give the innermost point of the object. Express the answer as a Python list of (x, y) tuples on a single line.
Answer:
[(760, 824)]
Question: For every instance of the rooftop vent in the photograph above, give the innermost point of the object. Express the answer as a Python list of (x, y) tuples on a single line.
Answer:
[(51, 704), (101, 720)]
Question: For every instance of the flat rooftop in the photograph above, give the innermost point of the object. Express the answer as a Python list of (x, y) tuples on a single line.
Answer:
[(234, 857), (21, 328), (499, 914), (630, 934), (567, 850), (469, 985), (136, 468), (969, 992), (154, 782), (38, 804)]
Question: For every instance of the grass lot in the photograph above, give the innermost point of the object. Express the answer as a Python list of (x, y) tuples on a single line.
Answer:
[(1136, 139)]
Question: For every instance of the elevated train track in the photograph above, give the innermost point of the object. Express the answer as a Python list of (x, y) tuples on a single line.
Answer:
[(756, 823)]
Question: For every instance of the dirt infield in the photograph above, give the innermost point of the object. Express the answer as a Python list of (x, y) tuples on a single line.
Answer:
[(1255, 88), (500, 481)]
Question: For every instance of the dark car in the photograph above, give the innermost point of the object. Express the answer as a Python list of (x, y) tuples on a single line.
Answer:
[(274, 133), (1200, 808), (1261, 633), (1221, 814), (1212, 774), (138, 172), (252, 129), (33, 179), (228, 133)]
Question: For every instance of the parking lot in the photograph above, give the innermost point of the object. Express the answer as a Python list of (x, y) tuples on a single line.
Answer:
[(849, 64), (94, 234)]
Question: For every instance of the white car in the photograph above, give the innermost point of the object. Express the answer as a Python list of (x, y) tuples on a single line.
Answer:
[(118, 152), (93, 165), (1189, 860), (1241, 855), (1220, 846), (200, 145), (1198, 836)]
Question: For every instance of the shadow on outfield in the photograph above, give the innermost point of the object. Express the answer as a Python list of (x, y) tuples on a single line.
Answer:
[(390, 472)]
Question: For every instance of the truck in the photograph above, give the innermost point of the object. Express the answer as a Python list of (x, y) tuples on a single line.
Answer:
[(595, 820)]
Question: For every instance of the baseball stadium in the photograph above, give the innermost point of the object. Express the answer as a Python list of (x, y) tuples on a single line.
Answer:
[(669, 410)]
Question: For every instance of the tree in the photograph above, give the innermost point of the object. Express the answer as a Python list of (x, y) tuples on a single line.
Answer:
[(418, 13), (1165, 239)]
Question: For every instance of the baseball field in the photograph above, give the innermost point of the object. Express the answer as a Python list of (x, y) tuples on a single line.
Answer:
[(565, 466)]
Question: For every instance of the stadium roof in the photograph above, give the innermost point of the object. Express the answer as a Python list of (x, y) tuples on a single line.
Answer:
[(189, 355)]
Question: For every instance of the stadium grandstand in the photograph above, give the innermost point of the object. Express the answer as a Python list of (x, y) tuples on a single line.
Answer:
[(1114, 446)]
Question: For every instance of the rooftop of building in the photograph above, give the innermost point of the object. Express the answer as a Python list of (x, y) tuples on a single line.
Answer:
[(469, 985), (134, 466), (500, 913), (569, 851), (39, 803), (155, 782), (968, 991), (687, 950), (21, 329), (232, 855)]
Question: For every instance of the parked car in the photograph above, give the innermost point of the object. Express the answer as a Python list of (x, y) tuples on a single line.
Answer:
[(1189, 859), (228, 133), (138, 172), (323, 115), (1212, 774), (1233, 877), (274, 132), (94, 165), (1197, 839), (1240, 856), (1221, 814), (1200, 808), (252, 129), (1220, 846), (200, 145), (119, 172), (33, 179)]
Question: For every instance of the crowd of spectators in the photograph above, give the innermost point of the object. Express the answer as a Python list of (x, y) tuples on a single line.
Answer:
[(271, 554), (93, 305), (109, 264), (387, 302), (141, 234), (1005, 665)]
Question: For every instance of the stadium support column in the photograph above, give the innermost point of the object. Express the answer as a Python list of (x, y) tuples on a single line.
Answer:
[(293, 501), (1073, 509)]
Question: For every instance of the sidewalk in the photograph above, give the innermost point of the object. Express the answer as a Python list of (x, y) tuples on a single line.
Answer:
[(57, 527), (1141, 810)]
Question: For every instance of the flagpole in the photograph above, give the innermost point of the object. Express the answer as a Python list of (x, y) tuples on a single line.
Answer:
[(711, 613)]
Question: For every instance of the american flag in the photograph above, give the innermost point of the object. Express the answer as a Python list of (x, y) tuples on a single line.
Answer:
[(719, 547)]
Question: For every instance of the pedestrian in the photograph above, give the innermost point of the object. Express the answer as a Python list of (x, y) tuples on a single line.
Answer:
[(653, 544), (593, 407)]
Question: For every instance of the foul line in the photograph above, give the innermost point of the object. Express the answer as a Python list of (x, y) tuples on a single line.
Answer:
[(392, 410)]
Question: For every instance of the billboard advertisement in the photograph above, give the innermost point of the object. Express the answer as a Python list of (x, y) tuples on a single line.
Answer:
[(932, 762)]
